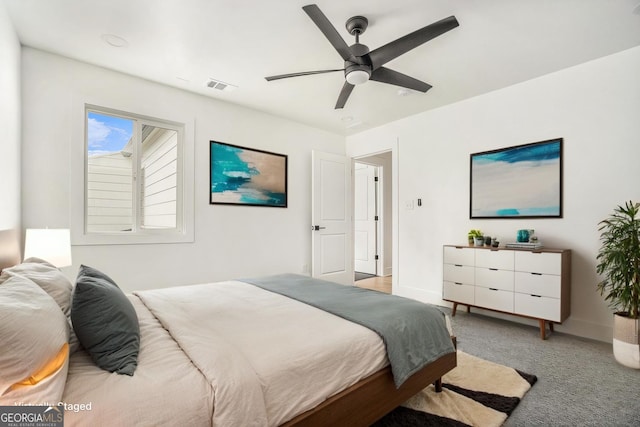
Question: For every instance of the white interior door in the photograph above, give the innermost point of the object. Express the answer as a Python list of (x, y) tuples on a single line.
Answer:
[(364, 217), (331, 251)]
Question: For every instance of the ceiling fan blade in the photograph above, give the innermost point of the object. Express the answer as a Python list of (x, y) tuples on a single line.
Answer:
[(392, 50), (303, 73), (329, 31), (344, 95), (386, 75)]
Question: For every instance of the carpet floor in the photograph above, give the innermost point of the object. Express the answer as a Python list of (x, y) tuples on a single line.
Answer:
[(475, 393), (579, 381)]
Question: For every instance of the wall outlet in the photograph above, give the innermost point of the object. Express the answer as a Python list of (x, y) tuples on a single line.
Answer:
[(408, 204)]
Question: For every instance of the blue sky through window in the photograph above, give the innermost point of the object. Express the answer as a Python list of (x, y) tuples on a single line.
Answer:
[(107, 134)]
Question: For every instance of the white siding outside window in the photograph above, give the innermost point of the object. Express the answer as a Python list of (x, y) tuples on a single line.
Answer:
[(159, 179), (109, 193)]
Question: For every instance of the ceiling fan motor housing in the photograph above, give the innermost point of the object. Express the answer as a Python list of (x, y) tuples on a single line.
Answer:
[(357, 25), (362, 65)]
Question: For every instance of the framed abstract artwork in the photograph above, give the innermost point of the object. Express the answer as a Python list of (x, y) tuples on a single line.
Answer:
[(246, 176), (524, 181)]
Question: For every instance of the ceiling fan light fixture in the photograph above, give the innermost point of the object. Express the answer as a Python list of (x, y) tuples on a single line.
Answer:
[(357, 77)]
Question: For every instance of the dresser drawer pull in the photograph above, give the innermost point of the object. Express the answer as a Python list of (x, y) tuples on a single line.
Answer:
[(457, 283), (493, 289), (493, 269), (537, 296), (537, 274), (460, 265)]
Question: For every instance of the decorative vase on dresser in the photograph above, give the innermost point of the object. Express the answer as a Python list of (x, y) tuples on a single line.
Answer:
[(528, 283)]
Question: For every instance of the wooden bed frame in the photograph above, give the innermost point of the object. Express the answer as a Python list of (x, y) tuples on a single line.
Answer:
[(372, 398)]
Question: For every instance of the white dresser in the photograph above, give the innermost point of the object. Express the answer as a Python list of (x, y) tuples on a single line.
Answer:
[(522, 282)]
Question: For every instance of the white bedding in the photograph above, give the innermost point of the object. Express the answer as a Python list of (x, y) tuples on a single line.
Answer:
[(166, 385), (267, 357), (224, 354)]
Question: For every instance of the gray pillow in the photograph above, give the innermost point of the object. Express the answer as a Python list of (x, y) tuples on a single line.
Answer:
[(105, 322)]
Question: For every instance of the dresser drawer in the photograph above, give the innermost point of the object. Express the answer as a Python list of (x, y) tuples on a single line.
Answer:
[(538, 306), (492, 278), (458, 293), (536, 262), (545, 285), (495, 299), (502, 260), (458, 273), (460, 256)]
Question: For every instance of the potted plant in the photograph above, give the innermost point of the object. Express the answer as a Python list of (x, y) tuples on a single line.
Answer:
[(475, 236), (619, 263)]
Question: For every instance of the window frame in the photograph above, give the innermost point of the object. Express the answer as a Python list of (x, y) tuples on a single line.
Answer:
[(184, 230)]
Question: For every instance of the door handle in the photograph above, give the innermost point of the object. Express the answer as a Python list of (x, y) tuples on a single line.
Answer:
[(317, 227)]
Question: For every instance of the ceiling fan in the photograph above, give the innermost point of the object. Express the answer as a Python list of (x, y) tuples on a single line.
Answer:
[(361, 65)]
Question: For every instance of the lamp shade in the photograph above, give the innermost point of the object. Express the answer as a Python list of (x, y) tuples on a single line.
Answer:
[(51, 245)]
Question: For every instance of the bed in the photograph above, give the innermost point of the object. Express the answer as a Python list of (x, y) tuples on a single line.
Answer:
[(229, 353)]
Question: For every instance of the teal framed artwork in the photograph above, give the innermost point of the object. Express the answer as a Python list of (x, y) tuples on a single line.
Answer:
[(246, 176), (523, 181)]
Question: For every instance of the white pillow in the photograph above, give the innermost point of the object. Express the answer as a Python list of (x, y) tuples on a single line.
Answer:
[(48, 277), (52, 281), (34, 355)]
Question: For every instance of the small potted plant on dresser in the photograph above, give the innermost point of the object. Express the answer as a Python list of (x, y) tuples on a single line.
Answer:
[(473, 235), (619, 264)]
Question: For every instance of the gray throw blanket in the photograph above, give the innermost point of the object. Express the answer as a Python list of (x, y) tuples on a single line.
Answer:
[(415, 334)]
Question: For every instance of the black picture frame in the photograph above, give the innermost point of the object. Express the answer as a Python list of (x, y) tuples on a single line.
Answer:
[(246, 176), (522, 181)]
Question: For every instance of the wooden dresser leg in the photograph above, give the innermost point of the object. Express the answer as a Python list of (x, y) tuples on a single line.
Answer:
[(551, 326), (455, 307), (468, 309), (542, 329), (438, 385)]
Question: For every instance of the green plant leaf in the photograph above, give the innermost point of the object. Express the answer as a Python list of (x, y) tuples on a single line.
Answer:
[(619, 258)]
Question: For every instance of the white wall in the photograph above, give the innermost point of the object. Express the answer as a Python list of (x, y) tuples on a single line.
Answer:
[(10, 232), (594, 106), (230, 241)]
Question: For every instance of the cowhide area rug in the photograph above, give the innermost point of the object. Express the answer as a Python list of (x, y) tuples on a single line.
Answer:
[(475, 393)]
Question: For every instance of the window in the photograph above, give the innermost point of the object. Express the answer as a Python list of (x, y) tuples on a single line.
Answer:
[(134, 177)]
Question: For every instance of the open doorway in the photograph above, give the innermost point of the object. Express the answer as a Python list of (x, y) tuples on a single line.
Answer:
[(373, 235)]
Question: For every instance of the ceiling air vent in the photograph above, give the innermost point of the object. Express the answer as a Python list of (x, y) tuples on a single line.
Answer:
[(220, 85)]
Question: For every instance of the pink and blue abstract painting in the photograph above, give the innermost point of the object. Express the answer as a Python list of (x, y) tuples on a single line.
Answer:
[(523, 181), (245, 176)]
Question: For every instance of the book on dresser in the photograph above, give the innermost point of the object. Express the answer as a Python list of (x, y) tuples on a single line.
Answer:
[(523, 245), (528, 282)]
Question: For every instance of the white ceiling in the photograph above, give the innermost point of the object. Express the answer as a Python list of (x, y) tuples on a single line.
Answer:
[(182, 43)]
